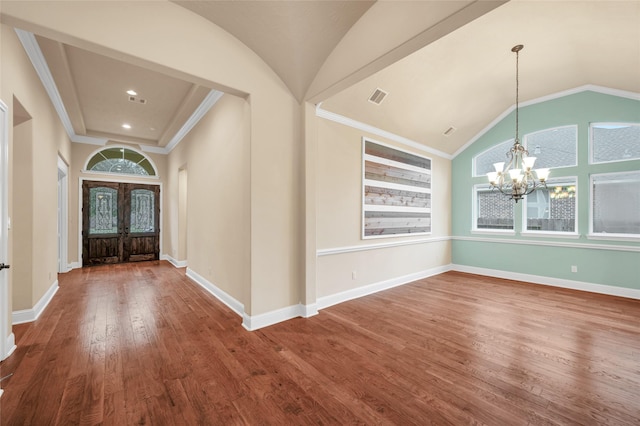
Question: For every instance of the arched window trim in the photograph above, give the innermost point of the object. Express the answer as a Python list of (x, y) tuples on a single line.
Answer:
[(475, 157), (137, 151)]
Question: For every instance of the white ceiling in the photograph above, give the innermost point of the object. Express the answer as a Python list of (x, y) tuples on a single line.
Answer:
[(437, 75)]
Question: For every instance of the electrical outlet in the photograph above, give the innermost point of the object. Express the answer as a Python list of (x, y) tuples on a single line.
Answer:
[(574, 268), (353, 275)]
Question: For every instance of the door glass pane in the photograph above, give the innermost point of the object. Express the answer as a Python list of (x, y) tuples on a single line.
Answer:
[(103, 215), (142, 211)]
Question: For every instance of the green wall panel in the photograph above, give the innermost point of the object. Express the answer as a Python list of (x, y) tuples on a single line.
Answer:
[(607, 267)]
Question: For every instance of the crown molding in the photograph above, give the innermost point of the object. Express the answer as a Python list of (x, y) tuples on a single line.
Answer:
[(209, 101), (31, 47), (562, 94), (337, 118)]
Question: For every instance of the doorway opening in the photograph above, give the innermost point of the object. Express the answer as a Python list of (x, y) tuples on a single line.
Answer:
[(182, 215), (63, 202)]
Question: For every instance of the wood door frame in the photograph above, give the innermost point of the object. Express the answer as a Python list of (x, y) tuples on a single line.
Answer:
[(121, 179), (7, 342)]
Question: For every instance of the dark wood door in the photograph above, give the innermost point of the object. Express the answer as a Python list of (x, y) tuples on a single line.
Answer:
[(141, 222), (120, 221)]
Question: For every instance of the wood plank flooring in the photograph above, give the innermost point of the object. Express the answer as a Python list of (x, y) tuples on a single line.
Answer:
[(140, 344)]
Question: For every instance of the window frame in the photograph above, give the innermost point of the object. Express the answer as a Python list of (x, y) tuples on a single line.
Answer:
[(603, 235), (563, 180), (591, 147), (474, 216), (525, 142), (121, 147), (494, 146)]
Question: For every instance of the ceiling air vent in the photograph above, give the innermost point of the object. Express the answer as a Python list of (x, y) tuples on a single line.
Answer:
[(449, 131), (378, 96), (137, 100)]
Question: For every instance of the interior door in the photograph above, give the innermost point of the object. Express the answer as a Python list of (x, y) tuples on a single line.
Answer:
[(121, 222)]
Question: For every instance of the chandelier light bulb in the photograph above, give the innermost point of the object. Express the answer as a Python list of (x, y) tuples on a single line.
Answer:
[(529, 162), (542, 174)]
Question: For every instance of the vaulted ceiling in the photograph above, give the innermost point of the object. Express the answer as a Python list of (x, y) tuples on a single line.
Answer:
[(445, 64), (466, 79)]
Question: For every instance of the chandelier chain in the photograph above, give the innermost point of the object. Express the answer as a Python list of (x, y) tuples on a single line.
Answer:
[(517, 94), (516, 179)]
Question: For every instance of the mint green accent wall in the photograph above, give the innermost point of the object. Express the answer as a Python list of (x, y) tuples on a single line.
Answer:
[(607, 267), (617, 268)]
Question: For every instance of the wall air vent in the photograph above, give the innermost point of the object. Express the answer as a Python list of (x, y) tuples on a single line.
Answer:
[(137, 100), (378, 96)]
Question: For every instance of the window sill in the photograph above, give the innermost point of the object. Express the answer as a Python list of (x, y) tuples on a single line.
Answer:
[(614, 237), (493, 231), (550, 234)]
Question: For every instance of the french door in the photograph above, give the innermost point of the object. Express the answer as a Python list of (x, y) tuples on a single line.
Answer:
[(120, 222)]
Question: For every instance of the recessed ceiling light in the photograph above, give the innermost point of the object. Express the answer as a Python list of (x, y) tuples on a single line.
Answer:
[(126, 126), (131, 92)]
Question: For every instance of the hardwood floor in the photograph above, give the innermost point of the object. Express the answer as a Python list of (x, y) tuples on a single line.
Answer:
[(140, 344)]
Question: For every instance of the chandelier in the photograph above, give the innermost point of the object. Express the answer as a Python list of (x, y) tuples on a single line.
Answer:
[(516, 178)]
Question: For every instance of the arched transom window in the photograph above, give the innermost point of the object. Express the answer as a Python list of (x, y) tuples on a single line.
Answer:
[(121, 160)]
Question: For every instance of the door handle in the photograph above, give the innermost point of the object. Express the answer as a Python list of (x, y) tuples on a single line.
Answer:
[(3, 266)]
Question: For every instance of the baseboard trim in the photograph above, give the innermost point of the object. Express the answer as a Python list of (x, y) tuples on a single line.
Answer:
[(217, 292), (176, 263), (255, 322), (11, 345), (74, 265), (29, 315), (334, 299), (629, 293)]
